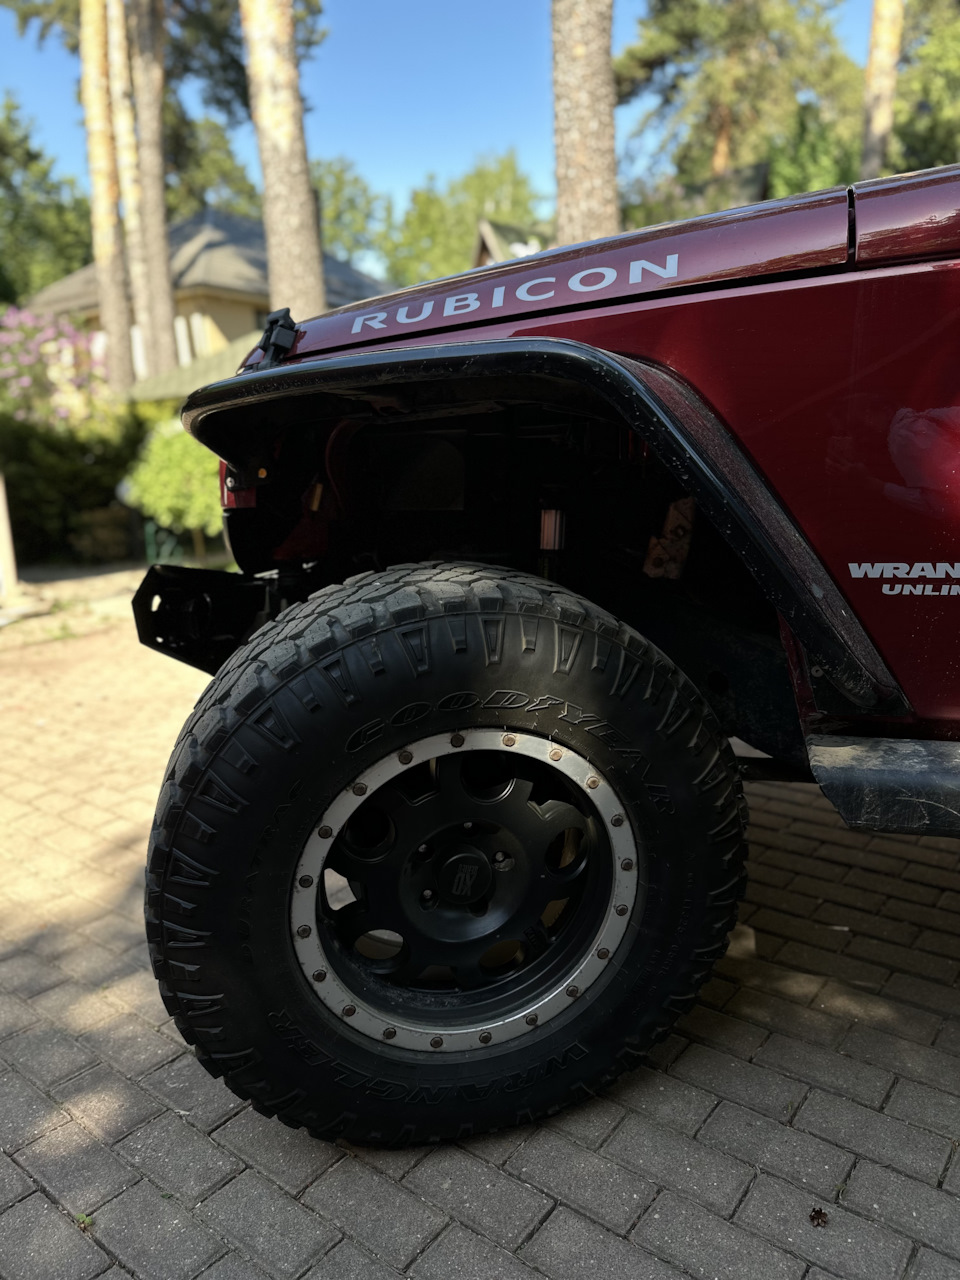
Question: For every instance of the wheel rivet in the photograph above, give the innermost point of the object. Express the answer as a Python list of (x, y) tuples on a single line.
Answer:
[(305, 882), (622, 909), (556, 755), (325, 833), (485, 1037), (617, 820), (509, 740), (360, 789), (603, 953), (304, 931), (456, 740), (349, 1010), (427, 895), (389, 1033), (319, 975), (626, 864), (593, 783), (405, 757), (467, 826), (499, 857), (531, 1019), (436, 1042), (422, 849), (573, 992)]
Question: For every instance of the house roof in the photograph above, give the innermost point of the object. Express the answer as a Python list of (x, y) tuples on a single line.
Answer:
[(502, 242), (211, 250)]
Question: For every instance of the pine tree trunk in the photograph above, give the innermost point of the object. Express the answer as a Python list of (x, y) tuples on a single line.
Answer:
[(146, 57), (881, 84), (104, 193), (290, 220), (128, 170), (583, 103)]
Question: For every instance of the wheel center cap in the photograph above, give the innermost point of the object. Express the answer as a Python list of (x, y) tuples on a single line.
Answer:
[(465, 877)]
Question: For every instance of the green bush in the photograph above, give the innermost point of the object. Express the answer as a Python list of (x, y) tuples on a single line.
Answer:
[(176, 483)]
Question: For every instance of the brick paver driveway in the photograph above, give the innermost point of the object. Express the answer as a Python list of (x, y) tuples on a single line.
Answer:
[(822, 1069)]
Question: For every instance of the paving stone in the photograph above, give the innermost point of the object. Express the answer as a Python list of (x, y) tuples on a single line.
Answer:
[(715, 992), (496, 1148), (73, 1007), (905, 959), (928, 995), (78, 1171), (776, 1148), (26, 975), (589, 1123), (916, 913), (346, 1262), (893, 887), (393, 1163), (665, 1053), (708, 1246), (943, 944), (671, 1159), (128, 1044), (390, 1221), (107, 1104), (830, 1070), (13, 1185), (952, 1181), (905, 1057), (842, 894), (938, 876), (178, 1158), (918, 1104), (754, 1086), (569, 1247), (869, 1133), (192, 1092), (870, 924), (15, 1014), (665, 1099), (804, 931), (138, 992), (276, 1231), (45, 1054), (877, 1011), (778, 899), (459, 1254), (156, 1238), (479, 1195), (232, 1267), (782, 1015), (860, 973), (728, 1034), (933, 1266), (38, 1242), (919, 1211), (594, 1185), (288, 1156), (847, 1246), (25, 1113), (764, 976), (949, 1038)]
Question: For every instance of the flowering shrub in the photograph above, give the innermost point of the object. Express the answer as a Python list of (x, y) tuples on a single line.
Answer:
[(52, 373)]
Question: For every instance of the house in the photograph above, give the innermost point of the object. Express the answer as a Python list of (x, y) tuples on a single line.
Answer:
[(500, 242), (218, 263)]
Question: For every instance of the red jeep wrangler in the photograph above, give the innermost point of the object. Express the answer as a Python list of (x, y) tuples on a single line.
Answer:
[(456, 830)]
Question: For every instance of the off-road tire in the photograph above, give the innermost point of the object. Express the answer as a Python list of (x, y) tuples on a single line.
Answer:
[(352, 677)]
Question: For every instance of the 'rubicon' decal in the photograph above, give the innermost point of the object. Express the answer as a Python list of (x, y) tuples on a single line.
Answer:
[(911, 576), (536, 289)]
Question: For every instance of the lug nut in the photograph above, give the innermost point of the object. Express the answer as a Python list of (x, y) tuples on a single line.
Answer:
[(485, 1037), (389, 1033), (573, 992), (427, 895), (349, 1010), (499, 857), (436, 1042), (467, 826), (603, 953), (422, 848), (305, 882), (556, 754), (626, 864), (359, 788), (531, 1019), (456, 740), (617, 820), (325, 833), (509, 740), (304, 931), (319, 975), (405, 757), (593, 783), (622, 909)]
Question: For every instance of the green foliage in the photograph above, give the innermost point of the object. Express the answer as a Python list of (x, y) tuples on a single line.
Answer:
[(437, 233), (176, 481), (55, 477), (44, 221), (814, 156), (203, 169), (927, 107), (354, 218)]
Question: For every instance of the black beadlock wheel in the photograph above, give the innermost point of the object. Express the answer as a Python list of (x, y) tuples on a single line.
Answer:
[(440, 850)]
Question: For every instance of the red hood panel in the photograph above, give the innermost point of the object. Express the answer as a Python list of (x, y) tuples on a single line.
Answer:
[(911, 216), (800, 233)]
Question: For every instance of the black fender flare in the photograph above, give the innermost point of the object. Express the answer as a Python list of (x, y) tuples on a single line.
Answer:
[(234, 417)]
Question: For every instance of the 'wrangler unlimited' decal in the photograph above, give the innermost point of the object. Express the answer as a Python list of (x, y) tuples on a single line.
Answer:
[(920, 569)]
